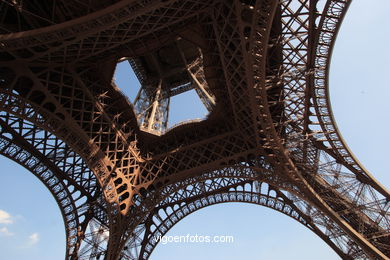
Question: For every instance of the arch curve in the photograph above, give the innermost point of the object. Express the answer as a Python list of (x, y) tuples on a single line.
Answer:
[(329, 26), (62, 171), (30, 109), (207, 192), (65, 199)]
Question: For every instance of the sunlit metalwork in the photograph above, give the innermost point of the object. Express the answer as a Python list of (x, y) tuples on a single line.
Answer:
[(121, 178)]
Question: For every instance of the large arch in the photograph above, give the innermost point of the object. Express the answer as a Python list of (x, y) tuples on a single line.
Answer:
[(222, 187), (49, 104), (56, 186), (328, 28), (28, 96), (315, 131), (62, 172)]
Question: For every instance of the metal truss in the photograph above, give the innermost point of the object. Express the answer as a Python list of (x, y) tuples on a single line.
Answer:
[(121, 178), (64, 173)]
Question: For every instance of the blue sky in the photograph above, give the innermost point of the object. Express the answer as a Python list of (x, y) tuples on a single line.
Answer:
[(31, 225)]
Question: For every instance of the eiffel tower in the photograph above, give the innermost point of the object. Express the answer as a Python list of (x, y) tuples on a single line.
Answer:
[(121, 178)]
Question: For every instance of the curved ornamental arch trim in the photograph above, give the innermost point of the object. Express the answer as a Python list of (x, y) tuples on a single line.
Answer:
[(171, 211), (222, 181), (72, 210), (146, 203), (329, 26), (187, 209), (62, 171), (372, 197), (304, 154), (57, 86)]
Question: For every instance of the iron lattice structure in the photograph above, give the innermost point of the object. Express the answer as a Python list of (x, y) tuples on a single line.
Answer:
[(121, 178)]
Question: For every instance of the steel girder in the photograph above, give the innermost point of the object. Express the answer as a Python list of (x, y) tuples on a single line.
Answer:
[(64, 173), (265, 62)]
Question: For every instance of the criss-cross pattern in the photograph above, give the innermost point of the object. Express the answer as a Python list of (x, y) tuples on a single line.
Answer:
[(121, 179)]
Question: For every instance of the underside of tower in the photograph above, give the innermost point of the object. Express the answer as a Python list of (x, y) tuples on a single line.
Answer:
[(122, 177)]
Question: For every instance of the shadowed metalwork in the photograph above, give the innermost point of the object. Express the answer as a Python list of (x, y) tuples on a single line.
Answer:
[(122, 178)]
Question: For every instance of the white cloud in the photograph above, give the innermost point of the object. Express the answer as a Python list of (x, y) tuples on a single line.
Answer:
[(33, 239), (4, 231), (5, 217)]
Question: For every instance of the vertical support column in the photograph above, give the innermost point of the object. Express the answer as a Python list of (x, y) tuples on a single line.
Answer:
[(152, 117), (195, 70)]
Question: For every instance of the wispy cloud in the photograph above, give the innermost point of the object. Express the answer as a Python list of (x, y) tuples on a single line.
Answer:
[(5, 217), (33, 239), (5, 232)]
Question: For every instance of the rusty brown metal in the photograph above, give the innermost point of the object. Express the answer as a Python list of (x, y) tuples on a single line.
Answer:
[(121, 178)]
